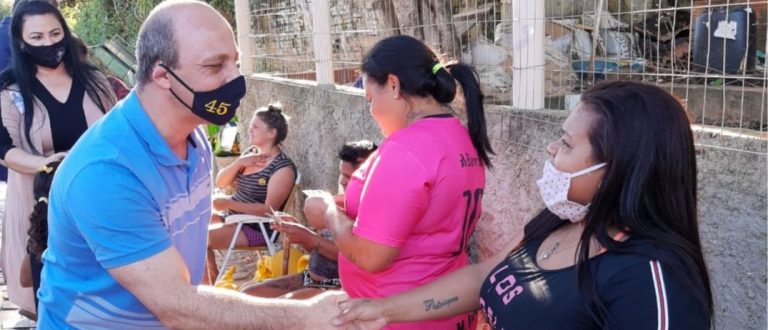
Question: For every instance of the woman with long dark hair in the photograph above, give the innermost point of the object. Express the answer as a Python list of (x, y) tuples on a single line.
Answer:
[(48, 98), (617, 246), (38, 228), (412, 207)]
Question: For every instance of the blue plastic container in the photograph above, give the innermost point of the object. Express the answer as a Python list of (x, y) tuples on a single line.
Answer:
[(725, 40)]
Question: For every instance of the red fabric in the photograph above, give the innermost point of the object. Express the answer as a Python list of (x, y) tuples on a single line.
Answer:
[(119, 87)]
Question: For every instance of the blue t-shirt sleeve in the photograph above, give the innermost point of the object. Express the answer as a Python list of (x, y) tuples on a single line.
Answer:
[(117, 217), (645, 296)]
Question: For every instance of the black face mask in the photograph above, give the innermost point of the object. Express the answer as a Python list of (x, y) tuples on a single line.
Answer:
[(216, 106), (49, 56)]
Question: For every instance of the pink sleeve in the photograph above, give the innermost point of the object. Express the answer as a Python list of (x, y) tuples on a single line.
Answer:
[(394, 197)]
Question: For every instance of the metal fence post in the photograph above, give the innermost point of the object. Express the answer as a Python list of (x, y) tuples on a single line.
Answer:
[(243, 22), (528, 51), (321, 37)]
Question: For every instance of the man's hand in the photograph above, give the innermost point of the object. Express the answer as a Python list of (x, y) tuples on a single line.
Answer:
[(324, 309), (360, 314)]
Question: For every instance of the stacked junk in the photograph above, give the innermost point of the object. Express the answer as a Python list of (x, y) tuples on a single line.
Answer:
[(717, 46), (720, 40)]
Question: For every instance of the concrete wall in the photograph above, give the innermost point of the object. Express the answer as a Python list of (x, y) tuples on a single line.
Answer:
[(732, 181), (322, 120), (731, 106)]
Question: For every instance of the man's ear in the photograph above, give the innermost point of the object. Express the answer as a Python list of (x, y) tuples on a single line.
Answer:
[(160, 76)]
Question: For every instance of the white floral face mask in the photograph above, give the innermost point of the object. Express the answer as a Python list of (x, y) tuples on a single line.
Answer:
[(554, 186)]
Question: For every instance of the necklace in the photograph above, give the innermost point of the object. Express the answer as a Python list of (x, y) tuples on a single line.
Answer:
[(554, 250), (547, 254), (551, 251)]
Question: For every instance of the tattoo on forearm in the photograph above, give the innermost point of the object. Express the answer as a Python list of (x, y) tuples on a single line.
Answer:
[(431, 304)]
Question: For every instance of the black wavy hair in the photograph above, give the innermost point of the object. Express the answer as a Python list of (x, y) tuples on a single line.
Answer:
[(38, 220), (413, 63), (354, 151), (273, 116), (649, 188), (22, 69)]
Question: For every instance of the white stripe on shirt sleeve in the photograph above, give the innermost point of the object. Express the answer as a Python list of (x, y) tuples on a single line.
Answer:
[(660, 290)]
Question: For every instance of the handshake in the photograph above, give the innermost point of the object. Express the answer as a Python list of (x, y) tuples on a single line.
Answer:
[(334, 310)]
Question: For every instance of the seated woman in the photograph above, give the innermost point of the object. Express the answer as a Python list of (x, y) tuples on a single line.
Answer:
[(323, 271), (263, 179), (617, 246)]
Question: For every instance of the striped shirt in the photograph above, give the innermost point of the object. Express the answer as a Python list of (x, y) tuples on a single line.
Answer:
[(252, 188), (636, 291)]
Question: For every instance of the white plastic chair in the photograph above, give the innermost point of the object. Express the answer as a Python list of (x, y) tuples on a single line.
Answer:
[(241, 219)]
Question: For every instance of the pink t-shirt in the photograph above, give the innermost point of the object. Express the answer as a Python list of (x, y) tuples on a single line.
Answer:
[(420, 192)]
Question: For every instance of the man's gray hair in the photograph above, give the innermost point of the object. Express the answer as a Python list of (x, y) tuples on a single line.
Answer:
[(156, 43)]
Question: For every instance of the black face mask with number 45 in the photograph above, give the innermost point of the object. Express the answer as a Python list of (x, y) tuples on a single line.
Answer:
[(216, 106)]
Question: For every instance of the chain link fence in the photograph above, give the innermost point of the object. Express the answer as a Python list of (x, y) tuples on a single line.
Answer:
[(709, 53)]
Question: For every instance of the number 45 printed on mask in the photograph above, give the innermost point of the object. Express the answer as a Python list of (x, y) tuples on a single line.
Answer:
[(471, 214), (217, 107)]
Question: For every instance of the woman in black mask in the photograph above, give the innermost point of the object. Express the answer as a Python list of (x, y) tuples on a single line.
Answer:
[(48, 98)]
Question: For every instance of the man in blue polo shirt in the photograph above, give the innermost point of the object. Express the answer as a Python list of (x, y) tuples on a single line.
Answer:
[(129, 206)]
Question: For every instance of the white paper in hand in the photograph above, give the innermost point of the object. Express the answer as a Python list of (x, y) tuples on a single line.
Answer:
[(228, 137), (314, 193), (277, 216)]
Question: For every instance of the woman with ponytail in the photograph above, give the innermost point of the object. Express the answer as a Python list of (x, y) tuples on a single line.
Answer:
[(617, 246), (38, 228), (49, 96), (412, 207)]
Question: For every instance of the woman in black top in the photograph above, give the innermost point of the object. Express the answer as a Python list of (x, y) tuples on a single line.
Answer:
[(263, 179), (49, 96), (617, 246)]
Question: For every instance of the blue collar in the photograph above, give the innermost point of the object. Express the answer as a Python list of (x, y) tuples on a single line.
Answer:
[(144, 128)]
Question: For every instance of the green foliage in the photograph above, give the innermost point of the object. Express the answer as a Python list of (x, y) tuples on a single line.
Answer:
[(213, 137), (5, 8), (96, 21), (226, 8)]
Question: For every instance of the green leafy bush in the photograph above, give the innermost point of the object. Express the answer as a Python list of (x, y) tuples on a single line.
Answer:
[(214, 135), (5, 8), (96, 21)]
